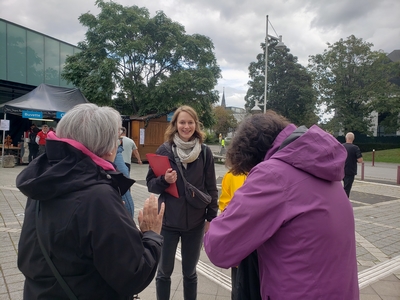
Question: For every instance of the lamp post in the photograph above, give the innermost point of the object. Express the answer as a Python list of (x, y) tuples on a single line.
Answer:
[(278, 46)]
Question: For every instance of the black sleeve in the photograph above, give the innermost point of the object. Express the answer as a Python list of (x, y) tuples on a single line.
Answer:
[(358, 153), (125, 257)]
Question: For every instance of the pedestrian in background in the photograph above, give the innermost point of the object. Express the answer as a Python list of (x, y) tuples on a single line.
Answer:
[(354, 156), (32, 145), (182, 220), (223, 150), (121, 166), (129, 147), (291, 209), (41, 139)]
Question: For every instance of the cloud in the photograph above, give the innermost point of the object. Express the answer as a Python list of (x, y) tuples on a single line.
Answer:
[(236, 27)]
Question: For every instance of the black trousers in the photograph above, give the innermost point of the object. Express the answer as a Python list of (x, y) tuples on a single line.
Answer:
[(247, 281), (33, 151), (348, 183), (191, 242)]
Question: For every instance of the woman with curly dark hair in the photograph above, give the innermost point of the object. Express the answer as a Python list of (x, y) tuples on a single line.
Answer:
[(291, 209)]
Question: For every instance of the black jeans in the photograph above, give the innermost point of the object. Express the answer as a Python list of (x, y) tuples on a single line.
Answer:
[(348, 183), (191, 242), (33, 151)]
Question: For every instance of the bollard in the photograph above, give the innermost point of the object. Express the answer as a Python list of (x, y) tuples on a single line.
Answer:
[(373, 157), (398, 174), (362, 171)]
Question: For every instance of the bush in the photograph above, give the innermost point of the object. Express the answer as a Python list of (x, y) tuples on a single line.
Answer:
[(367, 144), (211, 138)]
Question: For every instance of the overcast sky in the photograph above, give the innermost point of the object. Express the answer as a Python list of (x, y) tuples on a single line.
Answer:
[(236, 27)]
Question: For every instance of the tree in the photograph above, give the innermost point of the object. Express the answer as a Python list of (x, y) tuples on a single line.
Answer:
[(225, 121), (289, 88), (352, 81), (149, 63)]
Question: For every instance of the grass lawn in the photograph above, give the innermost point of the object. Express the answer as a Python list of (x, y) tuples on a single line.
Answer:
[(389, 156)]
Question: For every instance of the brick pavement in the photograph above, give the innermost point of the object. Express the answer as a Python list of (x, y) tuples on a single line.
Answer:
[(376, 209)]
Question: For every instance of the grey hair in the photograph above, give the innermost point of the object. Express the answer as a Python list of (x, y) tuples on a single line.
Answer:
[(97, 128), (350, 136)]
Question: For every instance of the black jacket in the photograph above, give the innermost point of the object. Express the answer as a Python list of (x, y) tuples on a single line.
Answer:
[(353, 154), (85, 228), (179, 214)]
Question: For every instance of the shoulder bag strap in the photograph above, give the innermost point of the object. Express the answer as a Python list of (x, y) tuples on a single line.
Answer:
[(53, 268), (178, 163)]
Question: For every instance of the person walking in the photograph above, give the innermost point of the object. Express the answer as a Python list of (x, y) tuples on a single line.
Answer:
[(354, 156), (184, 220), (129, 147), (223, 151), (41, 139), (291, 209), (78, 241)]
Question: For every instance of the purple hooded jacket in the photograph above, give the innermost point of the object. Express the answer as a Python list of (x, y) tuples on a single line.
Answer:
[(293, 210)]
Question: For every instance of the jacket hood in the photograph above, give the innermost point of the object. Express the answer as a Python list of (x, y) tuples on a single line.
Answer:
[(312, 150), (65, 169)]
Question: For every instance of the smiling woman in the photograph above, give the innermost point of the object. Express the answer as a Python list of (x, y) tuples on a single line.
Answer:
[(192, 164)]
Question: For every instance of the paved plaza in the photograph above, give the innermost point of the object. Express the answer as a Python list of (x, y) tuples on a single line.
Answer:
[(376, 203)]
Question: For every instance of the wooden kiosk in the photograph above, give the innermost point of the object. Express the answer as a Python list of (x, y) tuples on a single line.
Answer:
[(148, 132)]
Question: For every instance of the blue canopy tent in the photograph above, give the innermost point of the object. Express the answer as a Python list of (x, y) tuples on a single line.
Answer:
[(44, 102)]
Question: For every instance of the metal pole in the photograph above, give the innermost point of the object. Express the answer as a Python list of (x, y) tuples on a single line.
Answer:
[(373, 157), (4, 137), (362, 171), (398, 174), (266, 67)]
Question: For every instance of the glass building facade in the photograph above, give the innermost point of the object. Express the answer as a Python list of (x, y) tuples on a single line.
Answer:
[(32, 58)]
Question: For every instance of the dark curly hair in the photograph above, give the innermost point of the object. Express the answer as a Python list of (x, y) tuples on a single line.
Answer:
[(252, 140)]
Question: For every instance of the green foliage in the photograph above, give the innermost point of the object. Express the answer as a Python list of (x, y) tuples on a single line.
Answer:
[(152, 63), (388, 156), (211, 138), (289, 88), (224, 121), (352, 81)]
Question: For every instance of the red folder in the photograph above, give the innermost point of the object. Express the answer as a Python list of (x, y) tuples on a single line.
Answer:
[(159, 164)]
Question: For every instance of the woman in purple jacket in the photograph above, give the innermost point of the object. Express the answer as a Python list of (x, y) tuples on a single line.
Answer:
[(292, 209)]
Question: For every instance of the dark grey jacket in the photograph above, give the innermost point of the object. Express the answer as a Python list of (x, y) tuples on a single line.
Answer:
[(179, 214), (85, 228)]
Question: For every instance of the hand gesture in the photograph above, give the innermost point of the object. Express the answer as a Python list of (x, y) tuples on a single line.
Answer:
[(149, 218)]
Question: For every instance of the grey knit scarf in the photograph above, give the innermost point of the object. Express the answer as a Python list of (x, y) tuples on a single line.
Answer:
[(187, 151)]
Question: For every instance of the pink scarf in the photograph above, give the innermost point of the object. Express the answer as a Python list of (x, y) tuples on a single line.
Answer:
[(96, 159)]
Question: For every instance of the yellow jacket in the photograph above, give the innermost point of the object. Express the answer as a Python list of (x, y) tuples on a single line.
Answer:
[(230, 183)]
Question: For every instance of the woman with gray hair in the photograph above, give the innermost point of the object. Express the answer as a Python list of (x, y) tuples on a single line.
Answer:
[(77, 238)]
